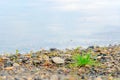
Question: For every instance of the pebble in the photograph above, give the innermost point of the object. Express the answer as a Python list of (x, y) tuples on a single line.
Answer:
[(36, 62), (54, 77), (98, 78), (81, 71), (9, 68), (53, 49), (58, 60), (72, 78), (8, 64), (91, 47), (110, 78), (16, 65), (5, 58)]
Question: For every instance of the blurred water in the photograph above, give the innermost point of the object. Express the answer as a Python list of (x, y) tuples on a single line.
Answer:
[(28, 43), (31, 25)]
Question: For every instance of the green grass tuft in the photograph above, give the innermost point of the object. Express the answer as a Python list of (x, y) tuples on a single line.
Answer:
[(83, 60)]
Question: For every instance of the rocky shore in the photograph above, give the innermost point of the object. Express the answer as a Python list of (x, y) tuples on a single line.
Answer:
[(56, 64)]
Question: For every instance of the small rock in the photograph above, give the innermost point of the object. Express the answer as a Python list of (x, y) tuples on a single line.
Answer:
[(97, 50), (25, 59), (22, 70), (1, 78), (99, 57), (91, 47), (53, 49), (54, 77), (29, 78), (44, 52), (34, 55), (67, 55), (13, 57), (45, 57), (58, 60), (72, 78), (19, 60), (36, 62), (110, 78), (37, 78), (98, 78), (81, 71), (9, 68), (8, 64), (16, 65), (16, 79), (83, 77), (5, 58), (68, 60)]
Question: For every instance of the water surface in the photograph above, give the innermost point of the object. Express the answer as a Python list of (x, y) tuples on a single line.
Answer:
[(31, 25)]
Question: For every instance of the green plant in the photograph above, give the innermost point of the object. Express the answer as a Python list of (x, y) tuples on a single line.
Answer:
[(17, 52), (83, 60)]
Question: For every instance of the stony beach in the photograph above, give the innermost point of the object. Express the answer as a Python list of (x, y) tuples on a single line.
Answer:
[(55, 64)]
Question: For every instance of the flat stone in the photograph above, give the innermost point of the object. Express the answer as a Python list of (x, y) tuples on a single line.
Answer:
[(58, 60)]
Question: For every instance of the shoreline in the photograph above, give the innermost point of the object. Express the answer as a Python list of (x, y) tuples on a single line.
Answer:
[(35, 49), (55, 64)]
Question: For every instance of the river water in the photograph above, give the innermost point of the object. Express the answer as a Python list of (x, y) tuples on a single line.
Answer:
[(31, 25)]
